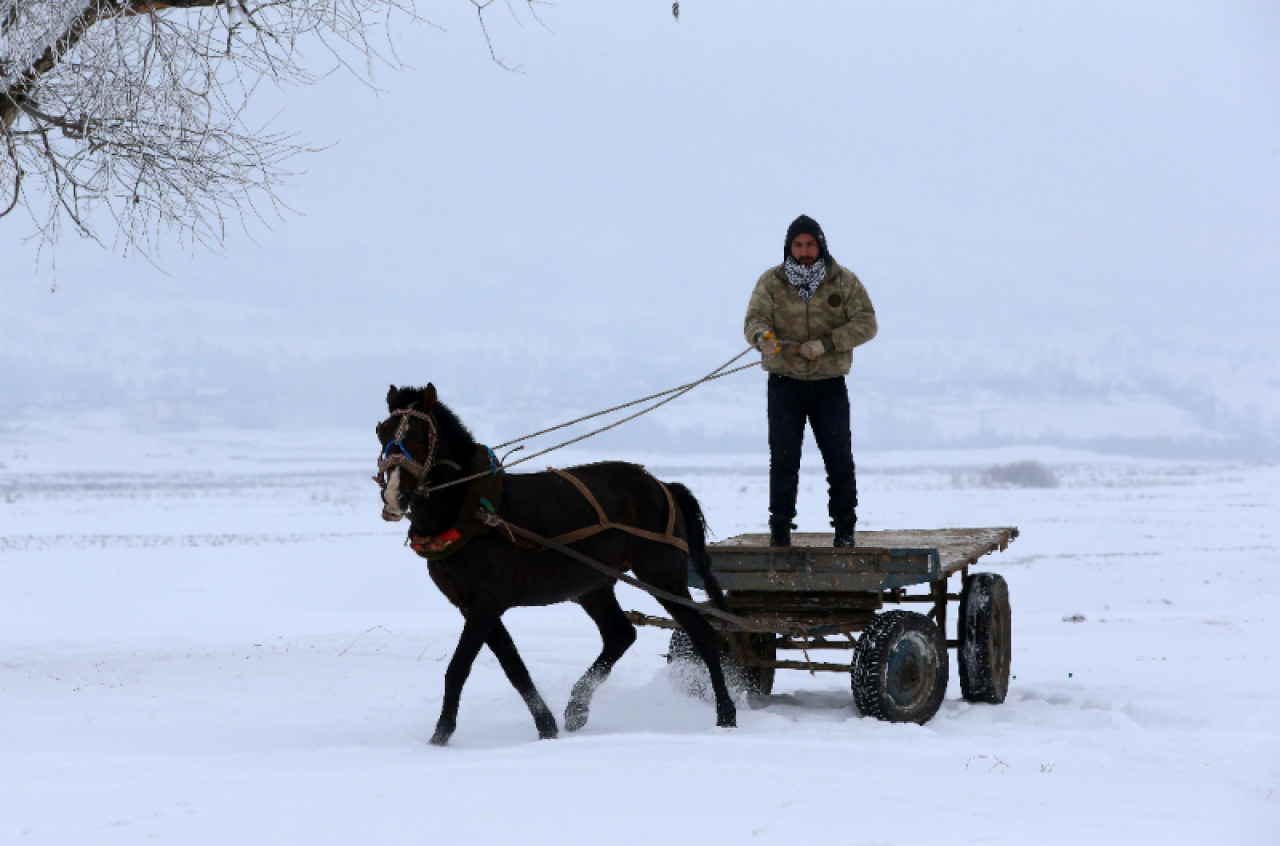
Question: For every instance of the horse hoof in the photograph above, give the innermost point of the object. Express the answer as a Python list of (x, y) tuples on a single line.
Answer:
[(440, 738), (546, 723), (575, 715)]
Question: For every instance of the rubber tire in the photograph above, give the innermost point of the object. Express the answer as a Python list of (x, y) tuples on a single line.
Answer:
[(692, 679), (689, 674), (759, 680), (984, 629), (900, 668)]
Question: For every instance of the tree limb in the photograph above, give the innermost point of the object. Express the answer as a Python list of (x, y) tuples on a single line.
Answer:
[(136, 108), (17, 174)]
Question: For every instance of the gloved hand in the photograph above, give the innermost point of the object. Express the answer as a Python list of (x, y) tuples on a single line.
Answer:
[(768, 345), (812, 350)]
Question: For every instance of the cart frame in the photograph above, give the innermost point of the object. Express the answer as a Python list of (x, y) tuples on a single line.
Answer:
[(827, 595)]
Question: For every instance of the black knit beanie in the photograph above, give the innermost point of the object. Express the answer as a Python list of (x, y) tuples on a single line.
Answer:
[(805, 225)]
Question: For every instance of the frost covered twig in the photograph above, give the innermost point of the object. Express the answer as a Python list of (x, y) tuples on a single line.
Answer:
[(139, 109)]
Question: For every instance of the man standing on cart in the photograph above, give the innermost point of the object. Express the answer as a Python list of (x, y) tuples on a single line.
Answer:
[(806, 315)]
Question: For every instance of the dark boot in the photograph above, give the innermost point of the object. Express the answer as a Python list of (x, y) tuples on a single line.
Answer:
[(780, 531), (844, 531)]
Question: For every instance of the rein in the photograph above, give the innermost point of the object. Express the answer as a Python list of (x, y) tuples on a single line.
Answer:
[(673, 394), (498, 466), (403, 459)]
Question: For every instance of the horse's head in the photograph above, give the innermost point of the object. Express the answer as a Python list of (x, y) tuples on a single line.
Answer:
[(413, 445)]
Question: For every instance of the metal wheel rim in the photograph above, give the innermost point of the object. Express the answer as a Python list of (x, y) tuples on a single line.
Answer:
[(910, 669)]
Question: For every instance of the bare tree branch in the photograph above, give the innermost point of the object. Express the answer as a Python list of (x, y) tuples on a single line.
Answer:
[(480, 9), (138, 109), (533, 10), (17, 175)]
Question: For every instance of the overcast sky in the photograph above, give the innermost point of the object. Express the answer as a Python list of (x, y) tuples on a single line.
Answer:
[(1087, 183)]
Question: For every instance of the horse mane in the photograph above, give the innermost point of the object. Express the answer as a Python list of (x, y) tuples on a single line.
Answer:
[(451, 429)]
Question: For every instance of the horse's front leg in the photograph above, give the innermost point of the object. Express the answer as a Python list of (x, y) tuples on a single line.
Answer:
[(618, 634), (504, 649), (474, 633)]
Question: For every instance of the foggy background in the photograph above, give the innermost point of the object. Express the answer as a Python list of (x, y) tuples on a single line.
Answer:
[(1066, 215)]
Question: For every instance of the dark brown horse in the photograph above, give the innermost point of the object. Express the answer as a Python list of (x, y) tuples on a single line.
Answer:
[(492, 572)]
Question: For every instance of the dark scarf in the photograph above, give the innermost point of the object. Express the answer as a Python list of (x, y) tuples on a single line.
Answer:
[(805, 279)]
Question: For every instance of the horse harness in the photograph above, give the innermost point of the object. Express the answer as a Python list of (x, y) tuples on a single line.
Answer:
[(667, 537), (478, 515), (402, 458)]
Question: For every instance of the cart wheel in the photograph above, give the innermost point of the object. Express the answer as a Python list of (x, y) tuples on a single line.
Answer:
[(690, 674), (900, 668), (983, 652), (759, 680)]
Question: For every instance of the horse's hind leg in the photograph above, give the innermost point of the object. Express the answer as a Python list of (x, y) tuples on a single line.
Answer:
[(670, 573), (704, 642), (474, 634), (618, 634), (504, 649)]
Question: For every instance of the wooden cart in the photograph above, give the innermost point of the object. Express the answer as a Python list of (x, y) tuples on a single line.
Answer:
[(824, 596)]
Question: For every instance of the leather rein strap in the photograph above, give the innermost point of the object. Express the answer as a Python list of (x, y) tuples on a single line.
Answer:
[(604, 525)]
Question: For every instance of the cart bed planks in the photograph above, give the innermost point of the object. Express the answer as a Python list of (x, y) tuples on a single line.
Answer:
[(881, 561)]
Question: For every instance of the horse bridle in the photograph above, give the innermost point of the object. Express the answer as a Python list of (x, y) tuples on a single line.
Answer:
[(402, 458)]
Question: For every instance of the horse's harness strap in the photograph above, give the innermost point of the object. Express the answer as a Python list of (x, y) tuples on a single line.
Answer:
[(483, 493), (604, 525), (494, 521), (404, 459)]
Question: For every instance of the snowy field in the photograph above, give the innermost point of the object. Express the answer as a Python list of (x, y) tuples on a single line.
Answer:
[(212, 638)]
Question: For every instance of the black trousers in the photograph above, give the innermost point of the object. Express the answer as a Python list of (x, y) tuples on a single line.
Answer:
[(824, 403)]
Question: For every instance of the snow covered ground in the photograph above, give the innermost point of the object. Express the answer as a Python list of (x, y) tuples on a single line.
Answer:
[(212, 638)]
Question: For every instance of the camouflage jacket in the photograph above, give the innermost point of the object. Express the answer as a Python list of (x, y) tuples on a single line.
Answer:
[(839, 314)]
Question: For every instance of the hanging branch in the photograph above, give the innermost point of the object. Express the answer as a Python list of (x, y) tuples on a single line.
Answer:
[(138, 108)]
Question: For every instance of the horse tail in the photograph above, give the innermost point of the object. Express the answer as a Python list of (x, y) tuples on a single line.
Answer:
[(695, 523)]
